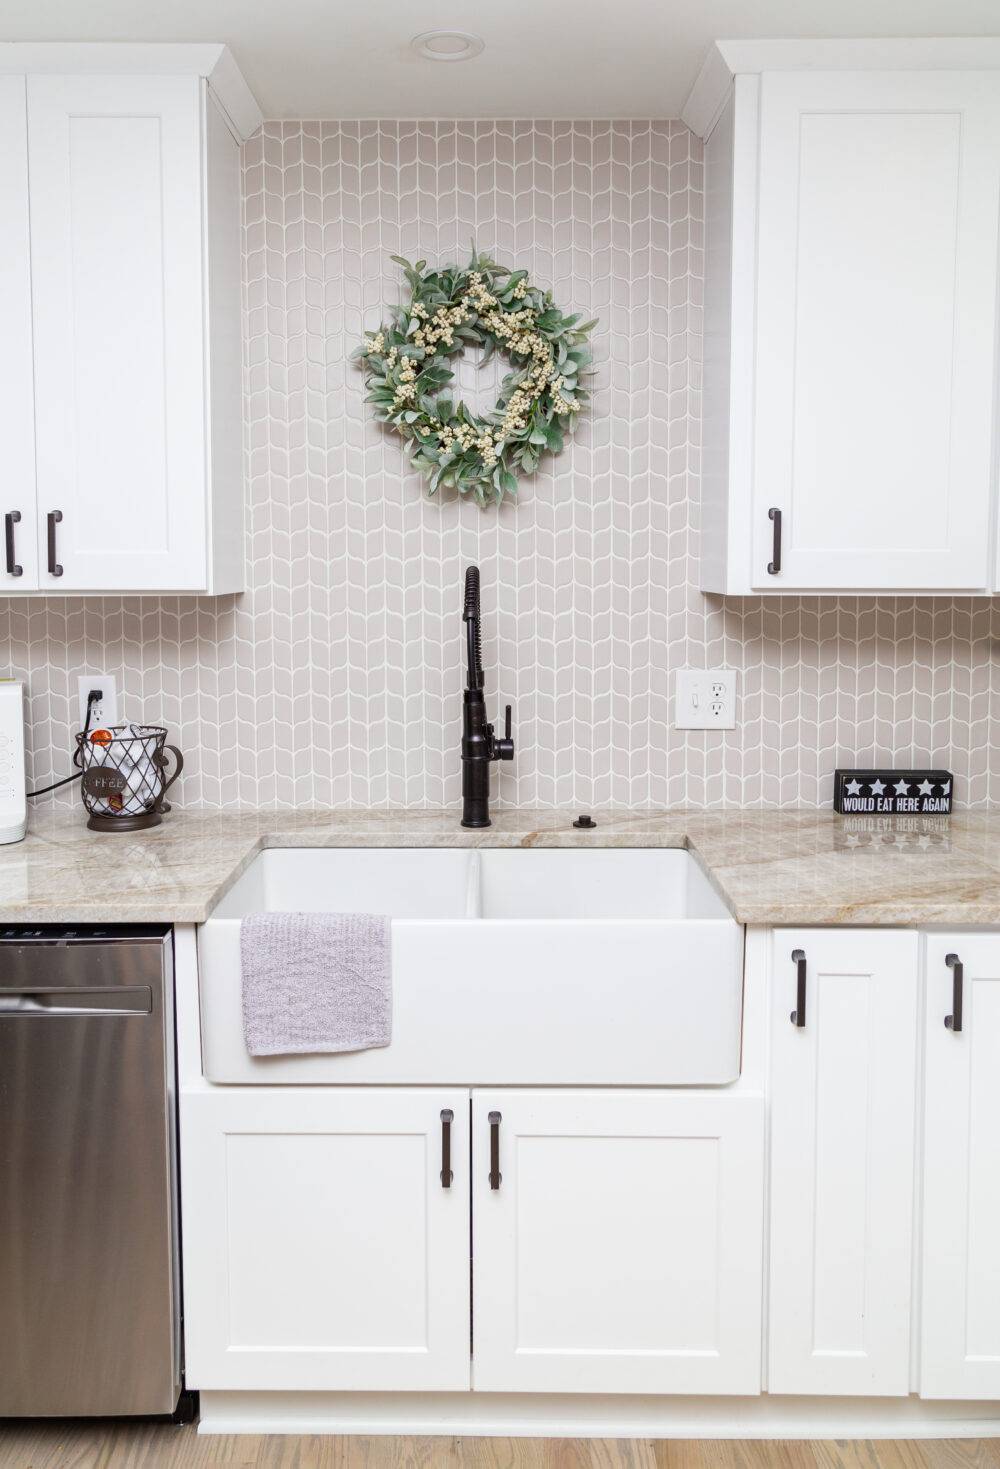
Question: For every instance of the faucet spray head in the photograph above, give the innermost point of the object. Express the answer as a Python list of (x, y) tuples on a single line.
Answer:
[(471, 616), (471, 593)]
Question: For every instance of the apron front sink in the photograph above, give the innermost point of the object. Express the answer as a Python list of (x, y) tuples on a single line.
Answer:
[(510, 967)]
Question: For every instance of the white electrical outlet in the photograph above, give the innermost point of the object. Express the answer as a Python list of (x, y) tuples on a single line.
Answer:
[(105, 710), (705, 700)]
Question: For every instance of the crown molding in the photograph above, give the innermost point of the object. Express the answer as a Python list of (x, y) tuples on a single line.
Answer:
[(727, 59), (210, 60)]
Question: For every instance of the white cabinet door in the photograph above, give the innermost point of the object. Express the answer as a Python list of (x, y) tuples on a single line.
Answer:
[(960, 1306), (321, 1247), (842, 1113), (621, 1248), (116, 251), (18, 564), (876, 310)]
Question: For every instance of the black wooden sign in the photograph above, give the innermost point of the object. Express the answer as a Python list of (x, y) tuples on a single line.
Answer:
[(892, 792)]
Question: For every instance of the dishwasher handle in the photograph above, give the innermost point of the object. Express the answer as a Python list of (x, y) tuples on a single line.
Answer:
[(63, 1004)]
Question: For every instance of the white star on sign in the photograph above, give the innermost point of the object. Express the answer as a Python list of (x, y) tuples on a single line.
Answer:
[(925, 788), (902, 787), (853, 788), (877, 787)]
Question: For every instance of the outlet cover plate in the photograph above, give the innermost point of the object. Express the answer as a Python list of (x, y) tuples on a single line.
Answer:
[(106, 712), (705, 699)]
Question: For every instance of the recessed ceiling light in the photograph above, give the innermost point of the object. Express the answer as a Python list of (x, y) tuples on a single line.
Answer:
[(446, 45)]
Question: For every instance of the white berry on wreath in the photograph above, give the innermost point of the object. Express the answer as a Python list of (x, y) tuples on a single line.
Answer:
[(407, 375)]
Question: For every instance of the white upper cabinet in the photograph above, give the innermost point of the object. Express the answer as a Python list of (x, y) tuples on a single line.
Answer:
[(127, 322), (17, 413), (850, 352), (876, 304), (115, 169)]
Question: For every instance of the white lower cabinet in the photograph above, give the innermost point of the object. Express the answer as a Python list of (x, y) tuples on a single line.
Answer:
[(843, 1109), (620, 1251), (960, 1317), (321, 1248), (617, 1241), (617, 1235)]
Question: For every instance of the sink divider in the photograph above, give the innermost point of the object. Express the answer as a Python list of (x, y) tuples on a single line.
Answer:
[(473, 887)]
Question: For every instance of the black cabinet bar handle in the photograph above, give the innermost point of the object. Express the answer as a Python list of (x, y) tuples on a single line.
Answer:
[(447, 1118), (798, 1015), (954, 1020), (54, 517), (9, 521), (774, 565), (495, 1174)]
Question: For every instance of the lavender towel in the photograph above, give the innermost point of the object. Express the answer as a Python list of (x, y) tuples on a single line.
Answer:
[(316, 982)]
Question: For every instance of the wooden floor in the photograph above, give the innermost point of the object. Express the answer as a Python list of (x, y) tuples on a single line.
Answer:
[(90, 1446)]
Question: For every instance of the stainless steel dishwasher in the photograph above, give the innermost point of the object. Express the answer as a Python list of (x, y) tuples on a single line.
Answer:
[(89, 1270)]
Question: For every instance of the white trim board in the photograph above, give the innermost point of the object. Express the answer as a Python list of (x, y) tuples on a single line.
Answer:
[(211, 60), (727, 59), (538, 1415)]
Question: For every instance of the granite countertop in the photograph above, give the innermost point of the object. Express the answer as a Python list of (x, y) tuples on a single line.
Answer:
[(771, 867)]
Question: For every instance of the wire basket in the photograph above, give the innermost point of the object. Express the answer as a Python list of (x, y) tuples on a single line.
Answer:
[(124, 775)]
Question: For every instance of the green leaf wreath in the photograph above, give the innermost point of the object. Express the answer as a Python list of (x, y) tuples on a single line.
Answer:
[(407, 374)]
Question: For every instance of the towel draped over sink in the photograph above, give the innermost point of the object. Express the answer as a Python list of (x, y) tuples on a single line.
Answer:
[(316, 982)]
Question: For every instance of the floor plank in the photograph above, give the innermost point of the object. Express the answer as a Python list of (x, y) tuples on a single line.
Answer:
[(155, 1446)]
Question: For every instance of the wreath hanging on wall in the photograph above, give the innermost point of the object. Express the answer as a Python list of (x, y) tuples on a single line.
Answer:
[(407, 374)]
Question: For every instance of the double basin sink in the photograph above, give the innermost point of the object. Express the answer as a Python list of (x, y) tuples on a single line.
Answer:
[(555, 967)]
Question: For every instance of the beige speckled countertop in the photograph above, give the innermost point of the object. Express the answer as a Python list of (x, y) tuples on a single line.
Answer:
[(789, 867)]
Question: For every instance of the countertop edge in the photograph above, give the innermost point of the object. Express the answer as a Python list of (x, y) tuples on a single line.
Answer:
[(770, 868)]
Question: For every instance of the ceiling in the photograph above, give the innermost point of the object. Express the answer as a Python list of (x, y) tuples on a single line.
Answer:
[(543, 58)]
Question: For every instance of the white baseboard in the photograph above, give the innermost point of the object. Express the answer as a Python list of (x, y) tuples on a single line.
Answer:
[(526, 1415)]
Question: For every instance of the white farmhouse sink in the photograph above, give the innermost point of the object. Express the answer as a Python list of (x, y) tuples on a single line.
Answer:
[(510, 967)]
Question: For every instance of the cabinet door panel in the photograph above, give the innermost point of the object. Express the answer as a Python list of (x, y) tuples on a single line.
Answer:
[(842, 1108), (875, 364), (17, 413), (960, 1317), (321, 1249), (116, 248), (622, 1249)]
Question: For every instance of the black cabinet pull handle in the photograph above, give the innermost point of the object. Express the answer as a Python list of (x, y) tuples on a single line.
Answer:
[(495, 1174), (447, 1118), (54, 517), (774, 565), (9, 521), (954, 1020), (798, 1015)]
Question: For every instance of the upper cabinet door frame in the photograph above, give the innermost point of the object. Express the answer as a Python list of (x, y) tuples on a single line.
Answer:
[(116, 197), (17, 406), (875, 368)]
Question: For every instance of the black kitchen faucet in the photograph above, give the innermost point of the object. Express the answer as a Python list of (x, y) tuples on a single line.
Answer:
[(480, 746)]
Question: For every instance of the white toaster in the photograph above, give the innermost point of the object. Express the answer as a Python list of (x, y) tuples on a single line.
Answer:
[(13, 806)]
